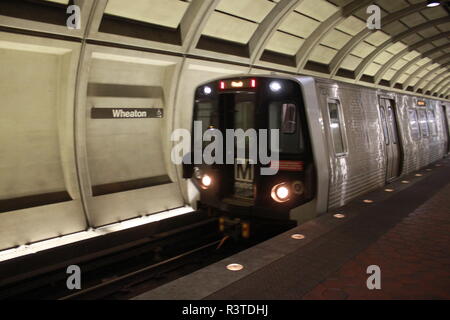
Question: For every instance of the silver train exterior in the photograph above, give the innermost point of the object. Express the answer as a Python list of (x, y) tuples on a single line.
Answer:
[(365, 162)]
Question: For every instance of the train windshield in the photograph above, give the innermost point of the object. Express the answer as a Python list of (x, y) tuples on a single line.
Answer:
[(244, 112), (242, 115), (208, 113), (229, 111), (241, 110)]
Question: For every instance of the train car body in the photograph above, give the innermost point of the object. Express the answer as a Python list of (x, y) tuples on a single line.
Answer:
[(343, 140), (385, 136)]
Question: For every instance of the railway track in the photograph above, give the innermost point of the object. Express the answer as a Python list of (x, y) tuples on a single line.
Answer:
[(125, 274), (126, 281)]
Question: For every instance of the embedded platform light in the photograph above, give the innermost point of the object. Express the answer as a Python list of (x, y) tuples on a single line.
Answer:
[(275, 86), (280, 193), (368, 201), (433, 3), (339, 216), (206, 181), (235, 267), (405, 182), (389, 190), (419, 175), (298, 237), (207, 90)]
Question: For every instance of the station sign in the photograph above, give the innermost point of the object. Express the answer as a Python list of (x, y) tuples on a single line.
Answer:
[(127, 113)]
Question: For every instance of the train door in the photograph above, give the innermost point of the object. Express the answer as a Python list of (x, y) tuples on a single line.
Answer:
[(392, 142), (446, 128), (240, 112)]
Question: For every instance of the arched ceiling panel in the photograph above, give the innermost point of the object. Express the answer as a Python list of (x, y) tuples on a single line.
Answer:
[(327, 37), (253, 10), (237, 20), (267, 29), (317, 9), (421, 71), (444, 92), (430, 72), (406, 58), (381, 47), (446, 84), (284, 43), (167, 14), (365, 33), (314, 39), (331, 37), (227, 27), (437, 83)]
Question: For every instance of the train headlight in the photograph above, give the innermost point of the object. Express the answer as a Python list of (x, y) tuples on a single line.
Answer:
[(207, 90), (275, 86), (206, 181), (281, 193)]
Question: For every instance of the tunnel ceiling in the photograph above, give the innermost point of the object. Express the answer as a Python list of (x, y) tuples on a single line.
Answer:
[(327, 38)]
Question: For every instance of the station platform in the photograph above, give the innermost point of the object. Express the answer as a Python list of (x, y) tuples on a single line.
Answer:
[(403, 228)]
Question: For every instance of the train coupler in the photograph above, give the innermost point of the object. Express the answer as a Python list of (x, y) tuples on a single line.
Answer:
[(234, 228)]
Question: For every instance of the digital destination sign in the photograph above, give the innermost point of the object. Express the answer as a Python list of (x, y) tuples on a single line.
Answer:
[(237, 84), (421, 103)]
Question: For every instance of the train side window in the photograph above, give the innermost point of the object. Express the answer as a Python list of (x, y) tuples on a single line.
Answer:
[(393, 125), (432, 122), (285, 118), (336, 126), (414, 124), (384, 125), (423, 122)]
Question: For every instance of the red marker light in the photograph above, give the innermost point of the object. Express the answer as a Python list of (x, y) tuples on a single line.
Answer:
[(222, 85), (253, 83)]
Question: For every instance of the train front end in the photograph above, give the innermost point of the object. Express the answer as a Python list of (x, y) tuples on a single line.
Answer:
[(251, 154)]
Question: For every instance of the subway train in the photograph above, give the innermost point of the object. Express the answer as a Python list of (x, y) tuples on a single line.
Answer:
[(337, 141)]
